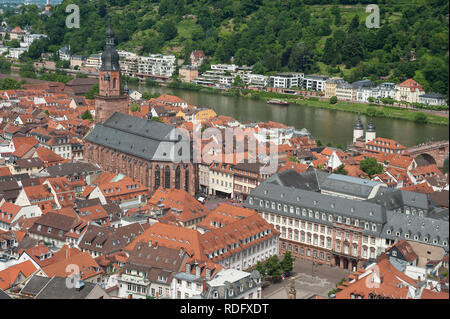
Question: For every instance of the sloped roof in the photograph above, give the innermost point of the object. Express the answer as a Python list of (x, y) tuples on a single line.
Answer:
[(135, 136), (9, 275)]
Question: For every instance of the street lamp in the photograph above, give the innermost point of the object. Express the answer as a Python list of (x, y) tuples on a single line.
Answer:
[(312, 268)]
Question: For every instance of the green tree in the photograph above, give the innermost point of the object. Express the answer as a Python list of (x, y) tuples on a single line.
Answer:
[(86, 115), (371, 167), (337, 15), (300, 58), (9, 84), (340, 170), (333, 100), (148, 96), (352, 50), (287, 264), (273, 267), (420, 118), (134, 107), (92, 92), (371, 111), (329, 52), (261, 267), (294, 159), (169, 30), (5, 65), (27, 71), (354, 24), (238, 81)]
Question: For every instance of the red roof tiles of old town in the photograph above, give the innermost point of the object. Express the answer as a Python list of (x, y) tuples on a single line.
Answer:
[(9, 275), (423, 188)]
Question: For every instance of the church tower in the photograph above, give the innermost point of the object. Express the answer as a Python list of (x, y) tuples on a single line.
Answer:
[(110, 98)]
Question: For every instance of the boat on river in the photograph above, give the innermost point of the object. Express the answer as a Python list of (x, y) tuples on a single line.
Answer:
[(277, 101)]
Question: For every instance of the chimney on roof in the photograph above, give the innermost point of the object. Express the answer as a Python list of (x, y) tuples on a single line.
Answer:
[(204, 286)]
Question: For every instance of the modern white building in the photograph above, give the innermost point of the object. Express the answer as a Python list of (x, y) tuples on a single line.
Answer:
[(15, 53), (157, 64), (315, 82), (258, 80), (224, 67), (286, 80), (30, 38)]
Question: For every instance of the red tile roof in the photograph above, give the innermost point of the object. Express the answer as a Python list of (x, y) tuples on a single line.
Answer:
[(411, 84), (9, 275), (182, 206), (392, 283)]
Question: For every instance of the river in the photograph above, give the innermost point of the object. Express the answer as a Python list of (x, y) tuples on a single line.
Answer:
[(328, 126)]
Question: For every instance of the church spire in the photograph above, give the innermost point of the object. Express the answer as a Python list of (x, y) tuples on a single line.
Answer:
[(110, 57)]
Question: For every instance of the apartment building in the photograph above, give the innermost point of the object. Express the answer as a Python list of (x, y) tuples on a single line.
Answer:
[(330, 86), (256, 80), (225, 67), (157, 64), (94, 61), (346, 92), (409, 91), (286, 80), (188, 73), (315, 82)]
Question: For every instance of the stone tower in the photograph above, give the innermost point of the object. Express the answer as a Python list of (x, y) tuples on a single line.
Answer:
[(358, 129), (371, 132), (110, 98)]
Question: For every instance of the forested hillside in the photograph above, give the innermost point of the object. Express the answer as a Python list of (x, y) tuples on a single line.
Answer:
[(311, 36)]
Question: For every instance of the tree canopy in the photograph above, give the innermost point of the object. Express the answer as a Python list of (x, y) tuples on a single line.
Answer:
[(371, 167), (310, 36)]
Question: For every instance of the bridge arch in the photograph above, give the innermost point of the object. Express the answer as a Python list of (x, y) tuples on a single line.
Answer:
[(426, 157), (433, 152)]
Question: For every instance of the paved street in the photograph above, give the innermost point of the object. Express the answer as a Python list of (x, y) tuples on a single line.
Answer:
[(324, 279)]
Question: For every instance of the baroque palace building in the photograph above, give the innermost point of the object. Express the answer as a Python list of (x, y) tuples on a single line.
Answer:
[(345, 221), (153, 153)]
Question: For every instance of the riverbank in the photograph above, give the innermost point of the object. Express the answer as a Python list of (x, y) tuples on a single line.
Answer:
[(371, 110)]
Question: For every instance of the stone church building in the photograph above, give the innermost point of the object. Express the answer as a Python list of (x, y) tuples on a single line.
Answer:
[(154, 153)]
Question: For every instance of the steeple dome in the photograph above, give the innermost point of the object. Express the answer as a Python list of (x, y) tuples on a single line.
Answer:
[(371, 126), (110, 57), (358, 124)]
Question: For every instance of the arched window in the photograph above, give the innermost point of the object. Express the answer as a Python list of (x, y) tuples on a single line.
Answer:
[(186, 180), (114, 83), (157, 177), (167, 177), (177, 177)]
